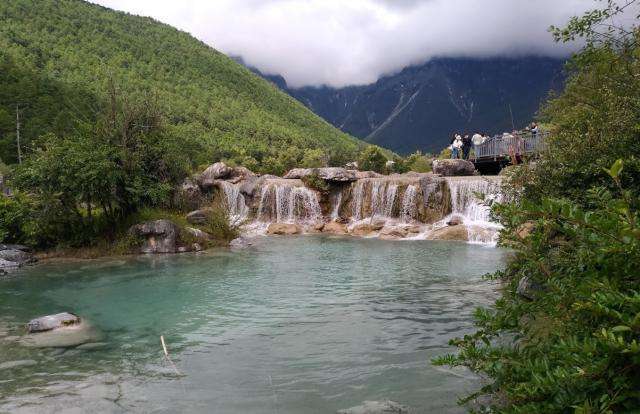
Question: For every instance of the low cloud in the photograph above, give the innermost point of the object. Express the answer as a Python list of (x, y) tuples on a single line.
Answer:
[(339, 43)]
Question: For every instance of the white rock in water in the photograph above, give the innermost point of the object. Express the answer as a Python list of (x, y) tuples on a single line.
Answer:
[(62, 337), (376, 407), (49, 322)]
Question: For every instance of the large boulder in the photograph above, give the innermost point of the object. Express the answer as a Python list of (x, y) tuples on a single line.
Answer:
[(393, 233), (376, 407), (367, 228), (10, 258), (49, 322), (160, 236), (332, 174), (217, 171), (458, 232), (335, 228), (284, 229), (453, 167), (239, 174)]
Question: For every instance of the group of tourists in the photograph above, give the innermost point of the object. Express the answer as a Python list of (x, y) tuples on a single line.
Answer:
[(461, 146)]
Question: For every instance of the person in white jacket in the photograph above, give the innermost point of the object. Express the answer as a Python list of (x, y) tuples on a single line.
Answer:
[(455, 147)]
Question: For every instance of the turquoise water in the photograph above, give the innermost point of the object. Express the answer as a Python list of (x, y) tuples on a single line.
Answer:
[(291, 325)]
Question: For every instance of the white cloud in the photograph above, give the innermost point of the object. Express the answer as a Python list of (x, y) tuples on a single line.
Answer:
[(347, 42)]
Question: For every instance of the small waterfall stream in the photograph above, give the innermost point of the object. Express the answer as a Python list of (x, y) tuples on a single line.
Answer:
[(471, 199), (285, 202), (408, 208), (235, 202)]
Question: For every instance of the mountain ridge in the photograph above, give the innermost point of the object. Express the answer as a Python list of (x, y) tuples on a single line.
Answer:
[(420, 107)]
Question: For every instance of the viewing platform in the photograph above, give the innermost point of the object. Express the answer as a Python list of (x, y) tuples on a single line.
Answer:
[(496, 153)]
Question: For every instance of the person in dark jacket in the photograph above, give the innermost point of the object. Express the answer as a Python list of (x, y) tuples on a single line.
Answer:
[(466, 147)]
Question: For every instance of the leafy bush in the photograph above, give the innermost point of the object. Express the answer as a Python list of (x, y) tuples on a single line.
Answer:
[(218, 225), (576, 346), (372, 159), (314, 182), (16, 222)]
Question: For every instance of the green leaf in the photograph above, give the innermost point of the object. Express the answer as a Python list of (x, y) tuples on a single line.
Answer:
[(620, 328)]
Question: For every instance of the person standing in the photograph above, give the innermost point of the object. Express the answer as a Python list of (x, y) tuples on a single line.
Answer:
[(534, 129), (466, 146), (456, 146)]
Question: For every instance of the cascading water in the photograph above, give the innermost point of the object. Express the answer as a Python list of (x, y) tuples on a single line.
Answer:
[(471, 199), (337, 202), (235, 202), (378, 198), (408, 208), (286, 203)]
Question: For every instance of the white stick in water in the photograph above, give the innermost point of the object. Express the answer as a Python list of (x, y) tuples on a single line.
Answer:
[(166, 354)]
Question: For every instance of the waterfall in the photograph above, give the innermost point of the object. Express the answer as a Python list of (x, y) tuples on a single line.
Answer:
[(235, 203), (378, 198), (465, 199), (335, 209), (408, 210), (283, 202), (358, 195)]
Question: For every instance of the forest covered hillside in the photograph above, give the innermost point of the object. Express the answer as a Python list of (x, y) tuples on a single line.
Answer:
[(60, 60)]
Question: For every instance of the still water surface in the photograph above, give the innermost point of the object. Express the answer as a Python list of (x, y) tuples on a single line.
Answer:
[(291, 325)]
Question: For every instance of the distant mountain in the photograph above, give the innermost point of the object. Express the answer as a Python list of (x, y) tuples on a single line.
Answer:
[(422, 106)]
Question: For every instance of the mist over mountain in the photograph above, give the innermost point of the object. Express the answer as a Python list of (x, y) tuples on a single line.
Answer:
[(420, 107)]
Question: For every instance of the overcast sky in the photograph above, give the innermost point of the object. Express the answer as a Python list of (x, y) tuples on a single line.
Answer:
[(348, 42)]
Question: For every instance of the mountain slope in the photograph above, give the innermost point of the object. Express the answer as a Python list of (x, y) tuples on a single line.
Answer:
[(422, 106), (59, 57)]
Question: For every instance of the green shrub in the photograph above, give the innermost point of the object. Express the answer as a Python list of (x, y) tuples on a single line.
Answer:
[(576, 346), (314, 182), (372, 159), (218, 225)]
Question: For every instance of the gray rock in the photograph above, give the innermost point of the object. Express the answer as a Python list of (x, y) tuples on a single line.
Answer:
[(239, 174), (18, 256), (453, 167), (160, 236), (334, 174), (376, 407), (7, 265), (367, 174), (529, 289), (198, 234), (198, 217), (217, 171), (455, 221), (20, 247), (240, 243), (50, 322)]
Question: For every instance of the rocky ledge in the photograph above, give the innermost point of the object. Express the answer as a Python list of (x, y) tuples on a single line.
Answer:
[(13, 256)]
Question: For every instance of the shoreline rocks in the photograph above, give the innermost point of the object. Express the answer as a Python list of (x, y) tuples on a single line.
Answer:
[(376, 407), (13, 256), (283, 229), (50, 322)]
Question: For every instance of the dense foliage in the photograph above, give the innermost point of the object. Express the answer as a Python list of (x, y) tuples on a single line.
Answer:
[(565, 335), (57, 59)]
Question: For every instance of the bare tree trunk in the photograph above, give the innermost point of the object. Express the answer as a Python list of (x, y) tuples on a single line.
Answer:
[(18, 133)]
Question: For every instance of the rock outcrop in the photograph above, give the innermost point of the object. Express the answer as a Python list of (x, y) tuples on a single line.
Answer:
[(529, 288), (335, 228), (331, 174), (393, 233), (13, 256), (159, 236), (458, 232), (284, 229), (367, 228), (453, 167)]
